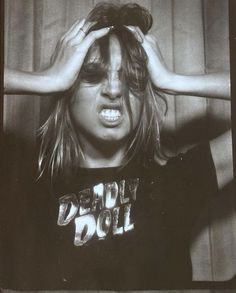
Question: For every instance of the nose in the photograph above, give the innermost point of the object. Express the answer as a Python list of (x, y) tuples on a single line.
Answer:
[(112, 88)]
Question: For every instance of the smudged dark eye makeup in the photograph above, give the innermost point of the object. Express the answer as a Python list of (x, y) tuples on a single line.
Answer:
[(93, 72)]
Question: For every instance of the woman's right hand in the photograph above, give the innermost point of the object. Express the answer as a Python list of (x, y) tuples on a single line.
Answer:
[(67, 61), (70, 52)]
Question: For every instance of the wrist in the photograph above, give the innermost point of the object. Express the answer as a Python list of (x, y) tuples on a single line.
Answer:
[(51, 83), (167, 83)]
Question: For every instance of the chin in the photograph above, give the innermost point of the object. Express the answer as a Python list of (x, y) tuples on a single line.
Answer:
[(111, 135)]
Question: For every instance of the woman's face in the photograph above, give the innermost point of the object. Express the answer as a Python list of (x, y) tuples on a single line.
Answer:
[(98, 108)]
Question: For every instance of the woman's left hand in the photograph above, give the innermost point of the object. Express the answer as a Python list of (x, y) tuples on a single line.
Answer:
[(211, 85), (159, 73)]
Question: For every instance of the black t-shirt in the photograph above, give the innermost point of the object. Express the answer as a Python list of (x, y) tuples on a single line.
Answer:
[(114, 228)]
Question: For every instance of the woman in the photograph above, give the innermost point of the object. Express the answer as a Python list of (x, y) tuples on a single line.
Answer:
[(119, 217)]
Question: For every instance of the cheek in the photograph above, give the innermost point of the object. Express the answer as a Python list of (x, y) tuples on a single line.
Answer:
[(83, 102), (79, 112)]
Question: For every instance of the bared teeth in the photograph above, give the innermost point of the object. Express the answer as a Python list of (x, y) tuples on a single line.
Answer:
[(110, 114)]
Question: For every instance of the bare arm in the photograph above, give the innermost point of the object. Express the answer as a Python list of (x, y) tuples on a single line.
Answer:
[(66, 64), (213, 85), (20, 82)]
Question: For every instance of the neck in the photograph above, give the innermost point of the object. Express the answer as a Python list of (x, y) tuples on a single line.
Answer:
[(103, 156)]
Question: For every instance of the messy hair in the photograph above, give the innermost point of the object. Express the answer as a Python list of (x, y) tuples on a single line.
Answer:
[(60, 149)]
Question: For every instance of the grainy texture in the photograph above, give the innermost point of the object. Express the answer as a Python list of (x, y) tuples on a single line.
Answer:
[(193, 36)]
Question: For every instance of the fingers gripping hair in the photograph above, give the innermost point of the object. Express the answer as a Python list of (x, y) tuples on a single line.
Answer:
[(108, 14)]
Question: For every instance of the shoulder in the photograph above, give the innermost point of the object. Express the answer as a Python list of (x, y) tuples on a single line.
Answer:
[(194, 168), (197, 160)]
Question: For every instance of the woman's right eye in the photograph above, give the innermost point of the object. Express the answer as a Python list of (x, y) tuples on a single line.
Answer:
[(92, 73)]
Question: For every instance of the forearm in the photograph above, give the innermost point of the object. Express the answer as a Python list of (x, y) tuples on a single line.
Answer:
[(213, 85), (20, 82), (63, 72)]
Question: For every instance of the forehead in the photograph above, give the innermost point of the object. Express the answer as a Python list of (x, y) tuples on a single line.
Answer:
[(114, 51)]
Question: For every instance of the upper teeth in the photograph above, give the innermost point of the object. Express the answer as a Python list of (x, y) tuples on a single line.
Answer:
[(110, 114)]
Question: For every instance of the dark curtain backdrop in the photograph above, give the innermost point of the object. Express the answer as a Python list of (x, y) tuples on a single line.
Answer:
[(193, 37)]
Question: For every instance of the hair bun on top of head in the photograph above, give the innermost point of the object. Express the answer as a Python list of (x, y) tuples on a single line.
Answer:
[(108, 14)]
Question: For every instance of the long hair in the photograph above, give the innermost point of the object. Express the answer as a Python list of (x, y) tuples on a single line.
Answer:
[(60, 149)]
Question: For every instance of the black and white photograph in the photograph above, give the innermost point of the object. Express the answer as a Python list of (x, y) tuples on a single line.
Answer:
[(116, 154)]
